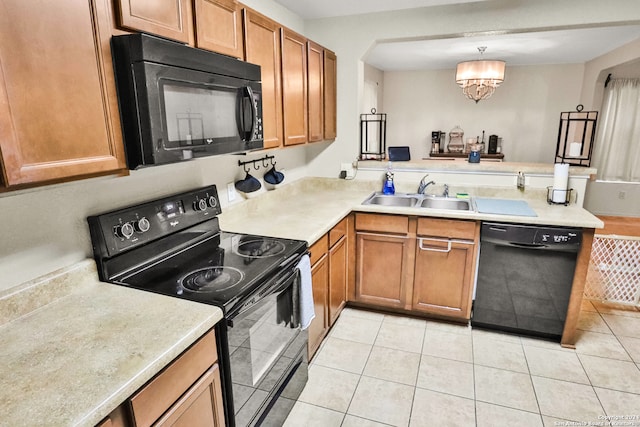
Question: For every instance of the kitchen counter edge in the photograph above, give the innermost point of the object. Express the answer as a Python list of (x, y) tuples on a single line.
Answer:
[(74, 358)]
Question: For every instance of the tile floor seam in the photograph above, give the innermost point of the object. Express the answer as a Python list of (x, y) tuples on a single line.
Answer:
[(473, 373), (362, 374), (535, 393)]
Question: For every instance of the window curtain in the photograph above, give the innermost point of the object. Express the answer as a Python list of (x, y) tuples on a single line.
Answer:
[(617, 147)]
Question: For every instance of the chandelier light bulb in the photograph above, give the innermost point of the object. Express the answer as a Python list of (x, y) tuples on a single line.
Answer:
[(480, 78)]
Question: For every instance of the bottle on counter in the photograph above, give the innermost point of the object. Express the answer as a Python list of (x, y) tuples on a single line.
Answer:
[(389, 187)]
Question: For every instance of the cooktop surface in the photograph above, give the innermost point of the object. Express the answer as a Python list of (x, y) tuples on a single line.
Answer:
[(217, 270)]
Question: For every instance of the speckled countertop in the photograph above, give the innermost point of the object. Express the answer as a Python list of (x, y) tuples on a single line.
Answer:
[(73, 348), (309, 208)]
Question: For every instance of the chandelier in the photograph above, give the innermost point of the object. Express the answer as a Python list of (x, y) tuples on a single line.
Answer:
[(480, 78)]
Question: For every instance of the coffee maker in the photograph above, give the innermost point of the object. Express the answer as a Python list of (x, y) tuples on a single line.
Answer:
[(437, 142)]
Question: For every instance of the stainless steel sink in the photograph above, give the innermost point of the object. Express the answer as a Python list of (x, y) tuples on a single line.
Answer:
[(411, 200), (400, 200), (448, 203)]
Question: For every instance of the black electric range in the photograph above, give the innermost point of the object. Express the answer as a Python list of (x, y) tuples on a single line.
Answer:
[(174, 246)]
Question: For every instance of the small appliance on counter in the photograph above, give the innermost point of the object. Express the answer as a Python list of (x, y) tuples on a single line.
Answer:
[(174, 246), (456, 142)]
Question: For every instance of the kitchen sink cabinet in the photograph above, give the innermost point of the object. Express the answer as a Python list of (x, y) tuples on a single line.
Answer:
[(384, 260), (445, 267), (424, 265), (294, 87), (59, 115), (262, 47)]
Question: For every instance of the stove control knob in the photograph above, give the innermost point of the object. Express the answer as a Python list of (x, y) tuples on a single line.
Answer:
[(212, 201), (124, 231), (142, 225), (200, 205)]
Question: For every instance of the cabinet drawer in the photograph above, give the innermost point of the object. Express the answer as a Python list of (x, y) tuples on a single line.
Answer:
[(450, 228), (337, 232), (382, 223), (319, 249), (167, 387)]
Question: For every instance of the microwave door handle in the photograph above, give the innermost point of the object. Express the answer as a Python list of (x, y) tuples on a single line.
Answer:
[(247, 132)]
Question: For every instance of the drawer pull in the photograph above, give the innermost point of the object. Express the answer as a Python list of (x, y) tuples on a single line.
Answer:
[(448, 241), (426, 248)]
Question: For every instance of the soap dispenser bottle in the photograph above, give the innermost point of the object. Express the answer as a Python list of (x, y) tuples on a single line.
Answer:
[(388, 187)]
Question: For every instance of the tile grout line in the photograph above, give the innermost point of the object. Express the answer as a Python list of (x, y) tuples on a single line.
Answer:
[(535, 393)]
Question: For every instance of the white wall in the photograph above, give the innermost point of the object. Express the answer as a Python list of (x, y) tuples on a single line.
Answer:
[(352, 36), (524, 110)]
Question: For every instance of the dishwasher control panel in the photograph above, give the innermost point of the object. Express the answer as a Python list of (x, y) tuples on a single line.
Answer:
[(531, 235)]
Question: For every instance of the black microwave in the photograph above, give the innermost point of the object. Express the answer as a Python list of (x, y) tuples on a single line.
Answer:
[(178, 102)]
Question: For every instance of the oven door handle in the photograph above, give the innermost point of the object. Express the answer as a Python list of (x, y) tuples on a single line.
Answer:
[(280, 285)]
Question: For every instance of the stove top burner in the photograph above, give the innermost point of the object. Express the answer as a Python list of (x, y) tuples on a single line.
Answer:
[(255, 247), (212, 279)]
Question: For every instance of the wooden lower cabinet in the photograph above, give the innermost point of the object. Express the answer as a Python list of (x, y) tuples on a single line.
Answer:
[(424, 265), (330, 273), (443, 277), (320, 279), (188, 392), (382, 269), (201, 405), (337, 278)]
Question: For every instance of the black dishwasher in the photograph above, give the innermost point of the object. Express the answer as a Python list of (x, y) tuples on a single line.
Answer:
[(525, 274)]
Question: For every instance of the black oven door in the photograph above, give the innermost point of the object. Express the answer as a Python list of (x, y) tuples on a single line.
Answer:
[(267, 353)]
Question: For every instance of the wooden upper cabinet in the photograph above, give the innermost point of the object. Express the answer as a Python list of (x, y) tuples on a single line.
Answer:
[(219, 26), (172, 19), (315, 73), (59, 115), (294, 87), (330, 94), (262, 47)]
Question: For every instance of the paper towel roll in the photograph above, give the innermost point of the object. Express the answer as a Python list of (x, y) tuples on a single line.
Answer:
[(575, 149), (560, 182)]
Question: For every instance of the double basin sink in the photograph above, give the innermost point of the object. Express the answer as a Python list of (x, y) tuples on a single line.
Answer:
[(407, 200)]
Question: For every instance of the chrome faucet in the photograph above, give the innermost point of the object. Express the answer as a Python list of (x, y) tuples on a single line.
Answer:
[(445, 193), (423, 184)]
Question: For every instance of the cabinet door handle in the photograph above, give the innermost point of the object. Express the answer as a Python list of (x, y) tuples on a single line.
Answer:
[(448, 241), (426, 248)]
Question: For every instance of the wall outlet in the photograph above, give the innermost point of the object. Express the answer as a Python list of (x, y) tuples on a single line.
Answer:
[(622, 195), (349, 170), (231, 192)]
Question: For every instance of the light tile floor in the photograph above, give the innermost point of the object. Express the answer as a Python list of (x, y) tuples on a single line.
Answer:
[(377, 369)]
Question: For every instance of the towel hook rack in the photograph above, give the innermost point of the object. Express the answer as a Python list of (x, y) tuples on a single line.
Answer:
[(256, 163)]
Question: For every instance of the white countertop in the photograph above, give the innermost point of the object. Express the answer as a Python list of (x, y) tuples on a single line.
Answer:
[(309, 208), (74, 348)]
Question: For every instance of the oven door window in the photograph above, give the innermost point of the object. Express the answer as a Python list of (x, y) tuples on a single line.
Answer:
[(198, 114), (258, 340)]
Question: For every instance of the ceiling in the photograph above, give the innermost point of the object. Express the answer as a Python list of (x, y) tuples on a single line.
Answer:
[(545, 47)]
